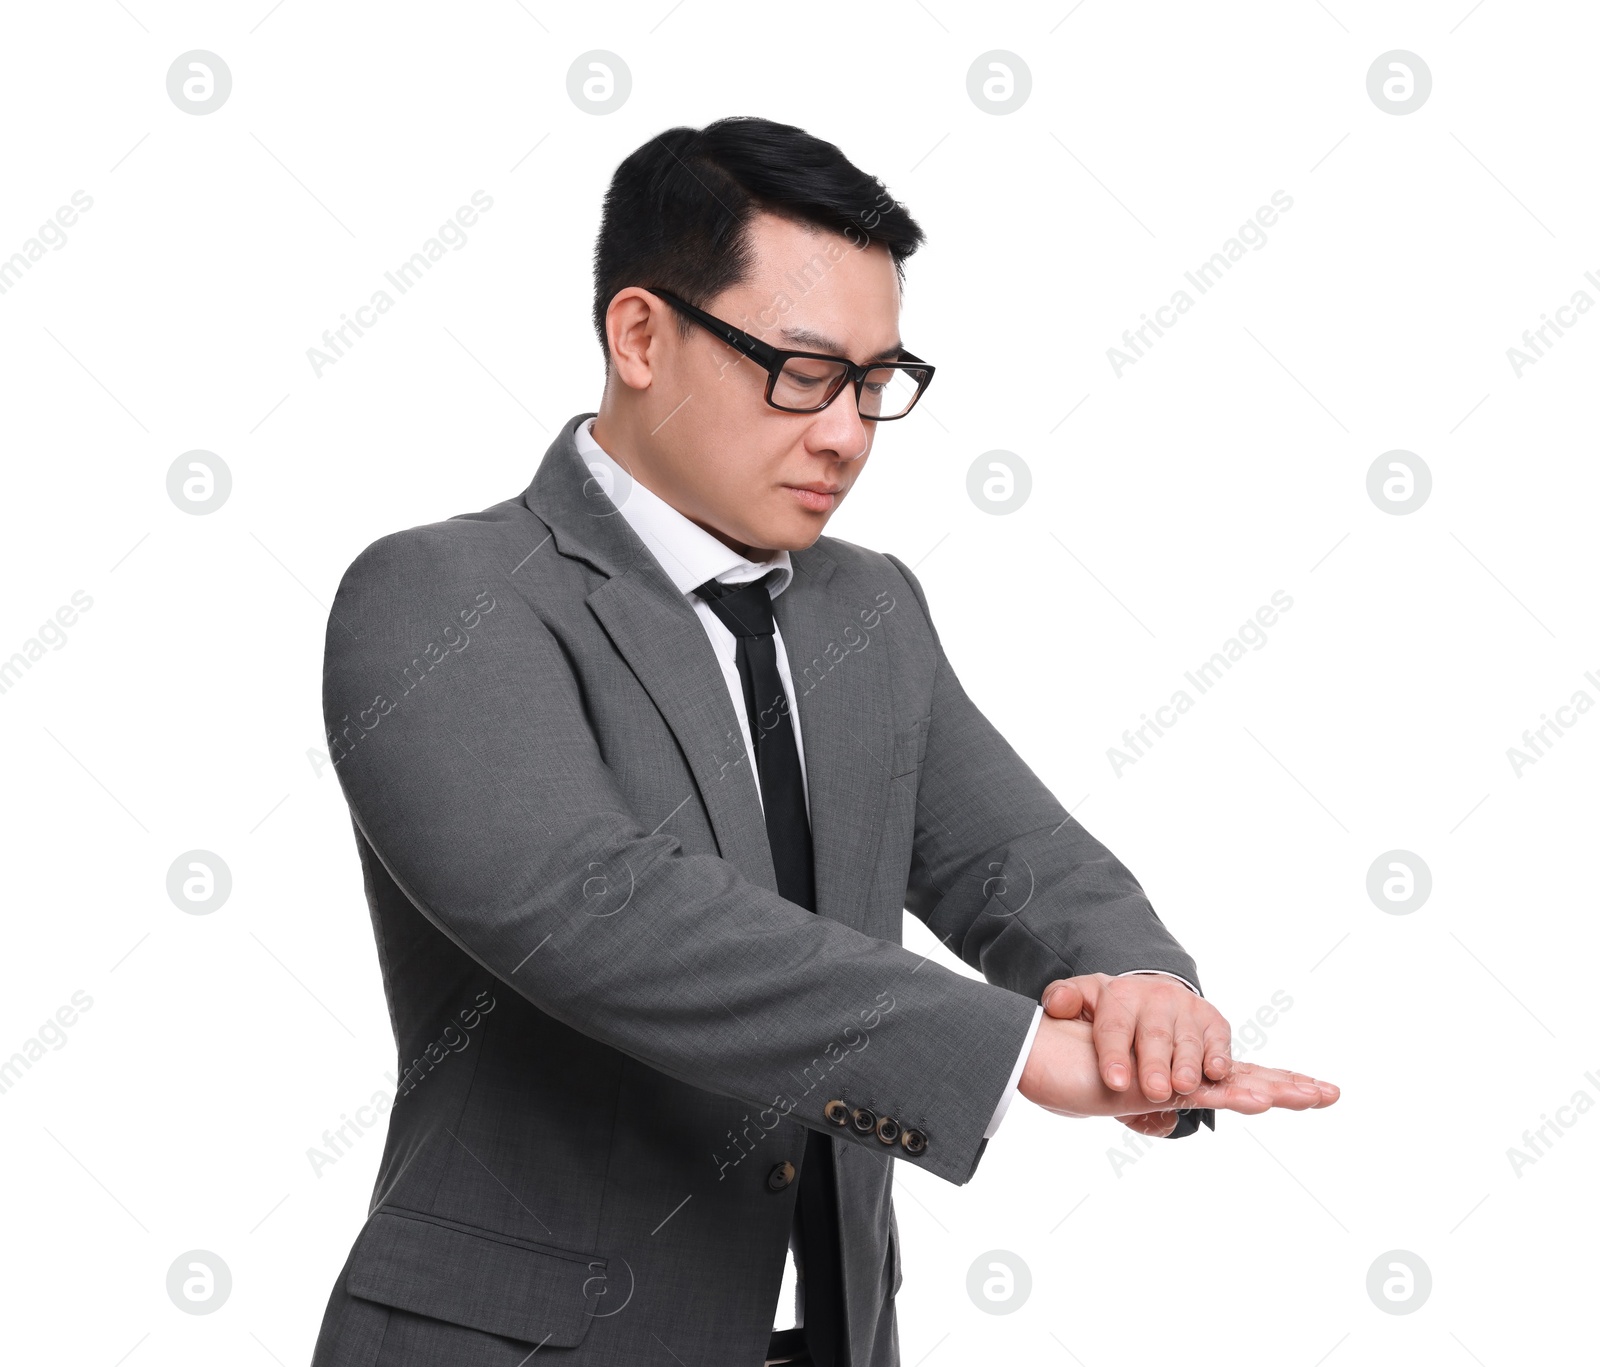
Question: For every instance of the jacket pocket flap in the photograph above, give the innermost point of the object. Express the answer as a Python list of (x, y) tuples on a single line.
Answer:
[(475, 1277)]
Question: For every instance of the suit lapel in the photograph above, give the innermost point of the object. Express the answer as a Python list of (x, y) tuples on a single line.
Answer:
[(842, 686), (666, 647)]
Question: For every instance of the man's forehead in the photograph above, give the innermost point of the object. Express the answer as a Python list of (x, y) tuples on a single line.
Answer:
[(784, 273)]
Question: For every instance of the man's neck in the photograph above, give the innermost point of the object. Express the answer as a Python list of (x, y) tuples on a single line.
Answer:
[(609, 434)]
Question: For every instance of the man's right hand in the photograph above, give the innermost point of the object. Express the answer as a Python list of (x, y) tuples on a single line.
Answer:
[(1062, 1074)]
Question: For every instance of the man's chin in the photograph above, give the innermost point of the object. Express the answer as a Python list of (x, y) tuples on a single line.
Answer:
[(794, 533), (783, 529)]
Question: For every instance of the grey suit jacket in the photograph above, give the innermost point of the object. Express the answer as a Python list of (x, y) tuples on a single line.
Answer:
[(613, 1032)]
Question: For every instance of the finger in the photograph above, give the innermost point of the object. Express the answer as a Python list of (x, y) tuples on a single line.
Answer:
[(1313, 1090), (1218, 1048), (1232, 1094), (1188, 1043), (1152, 1046), (1250, 1090), (1113, 1043), (1327, 1092)]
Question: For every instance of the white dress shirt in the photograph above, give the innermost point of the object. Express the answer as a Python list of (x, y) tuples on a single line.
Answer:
[(691, 555)]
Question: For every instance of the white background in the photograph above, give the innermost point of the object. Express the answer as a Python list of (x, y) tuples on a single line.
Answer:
[(182, 710)]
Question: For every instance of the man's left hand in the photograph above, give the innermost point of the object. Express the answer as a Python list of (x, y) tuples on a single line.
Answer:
[(1151, 1027)]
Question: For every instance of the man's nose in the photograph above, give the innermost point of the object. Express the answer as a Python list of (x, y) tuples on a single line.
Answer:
[(839, 427)]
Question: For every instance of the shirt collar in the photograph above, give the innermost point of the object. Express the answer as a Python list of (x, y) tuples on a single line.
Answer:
[(688, 553)]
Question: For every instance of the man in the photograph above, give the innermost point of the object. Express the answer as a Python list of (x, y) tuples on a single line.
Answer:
[(643, 770)]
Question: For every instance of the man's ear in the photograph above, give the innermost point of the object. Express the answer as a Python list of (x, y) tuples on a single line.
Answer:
[(633, 323)]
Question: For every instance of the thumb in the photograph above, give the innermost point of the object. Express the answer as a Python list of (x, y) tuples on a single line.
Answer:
[(1156, 1123), (1063, 999)]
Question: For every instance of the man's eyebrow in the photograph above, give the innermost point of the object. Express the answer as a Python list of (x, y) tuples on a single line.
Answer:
[(817, 342)]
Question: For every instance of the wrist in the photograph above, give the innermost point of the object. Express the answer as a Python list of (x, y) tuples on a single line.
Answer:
[(1041, 1074)]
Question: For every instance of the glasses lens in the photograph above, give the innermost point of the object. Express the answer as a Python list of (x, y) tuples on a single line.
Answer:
[(888, 391), (806, 383)]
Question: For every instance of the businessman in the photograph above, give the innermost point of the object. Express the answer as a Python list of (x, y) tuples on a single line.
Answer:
[(644, 769)]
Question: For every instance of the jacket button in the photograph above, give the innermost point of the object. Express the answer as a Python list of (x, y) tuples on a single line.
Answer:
[(888, 1129), (780, 1176), (837, 1113), (914, 1142), (862, 1120)]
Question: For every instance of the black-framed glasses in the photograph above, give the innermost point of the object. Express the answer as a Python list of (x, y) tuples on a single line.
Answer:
[(808, 381)]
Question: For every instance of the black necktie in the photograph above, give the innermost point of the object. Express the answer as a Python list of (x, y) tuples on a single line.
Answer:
[(746, 610)]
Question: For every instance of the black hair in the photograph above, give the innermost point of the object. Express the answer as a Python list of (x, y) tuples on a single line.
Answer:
[(677, 212)]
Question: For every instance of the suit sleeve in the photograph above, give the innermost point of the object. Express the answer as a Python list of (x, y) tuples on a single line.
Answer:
[(477, 780), (1014, 1085), (1004, 876)]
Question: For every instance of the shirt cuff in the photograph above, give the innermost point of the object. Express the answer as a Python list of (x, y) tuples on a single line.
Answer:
[(1163, 972), (1016, 1074)]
